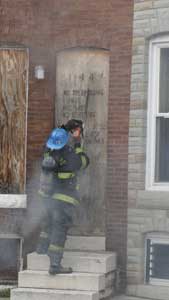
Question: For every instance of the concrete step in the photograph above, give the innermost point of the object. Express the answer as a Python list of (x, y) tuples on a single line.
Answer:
[(123, 297), (47, 294), (91, 243), (149, 291), (74, 281), (79, 261)]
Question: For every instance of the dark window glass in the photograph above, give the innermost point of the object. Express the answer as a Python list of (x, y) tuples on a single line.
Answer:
[(162, 150), (164, 81)]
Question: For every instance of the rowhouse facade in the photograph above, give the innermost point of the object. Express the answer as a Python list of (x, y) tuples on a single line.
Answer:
[(38, 40)]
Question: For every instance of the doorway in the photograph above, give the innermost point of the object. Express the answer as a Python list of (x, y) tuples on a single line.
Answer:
[(82, 82)]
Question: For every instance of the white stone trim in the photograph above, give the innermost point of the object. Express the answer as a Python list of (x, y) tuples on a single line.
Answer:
[(158, 281), (9, 236), (13, 200)]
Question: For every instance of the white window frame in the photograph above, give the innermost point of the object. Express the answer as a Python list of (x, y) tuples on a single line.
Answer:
[(153, 101)]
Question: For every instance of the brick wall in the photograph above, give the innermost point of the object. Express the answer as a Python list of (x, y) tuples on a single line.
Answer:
[(48, 26)]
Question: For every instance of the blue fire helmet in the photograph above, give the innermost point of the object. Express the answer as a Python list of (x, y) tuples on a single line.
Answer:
[(57, 139)]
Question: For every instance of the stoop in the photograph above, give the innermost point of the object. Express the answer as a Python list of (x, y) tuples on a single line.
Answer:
[(93, 276)]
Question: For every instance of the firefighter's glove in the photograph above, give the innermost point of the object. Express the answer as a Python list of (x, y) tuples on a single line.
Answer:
[(48, 164)]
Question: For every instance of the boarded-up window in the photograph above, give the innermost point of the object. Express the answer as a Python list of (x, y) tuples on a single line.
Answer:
[(13, 99)]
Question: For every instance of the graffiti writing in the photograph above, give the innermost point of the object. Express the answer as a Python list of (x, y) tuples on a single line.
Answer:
[(83, 93), (93, 76), (94, 137)]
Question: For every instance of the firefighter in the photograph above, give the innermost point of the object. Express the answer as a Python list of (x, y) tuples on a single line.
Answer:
[(63, 158)]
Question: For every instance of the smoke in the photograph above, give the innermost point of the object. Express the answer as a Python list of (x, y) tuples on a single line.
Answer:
[(81, 217), (35, 211), (86, 214)]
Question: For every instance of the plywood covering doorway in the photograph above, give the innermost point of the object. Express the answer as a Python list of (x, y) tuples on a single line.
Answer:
[(13, 112), (82, 85)]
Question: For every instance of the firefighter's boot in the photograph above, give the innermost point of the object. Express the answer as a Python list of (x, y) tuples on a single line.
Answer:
[(53, 270), (55, 264)]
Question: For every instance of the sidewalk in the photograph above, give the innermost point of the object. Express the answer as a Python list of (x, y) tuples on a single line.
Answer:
[(123, 297)]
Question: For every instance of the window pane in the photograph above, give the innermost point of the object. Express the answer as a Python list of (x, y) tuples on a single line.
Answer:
[(162, 150), (164, 81)]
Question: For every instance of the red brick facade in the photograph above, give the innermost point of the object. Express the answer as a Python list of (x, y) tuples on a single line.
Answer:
[(46, 27)]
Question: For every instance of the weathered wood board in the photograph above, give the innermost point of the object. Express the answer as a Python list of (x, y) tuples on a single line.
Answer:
[(13, 106)]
